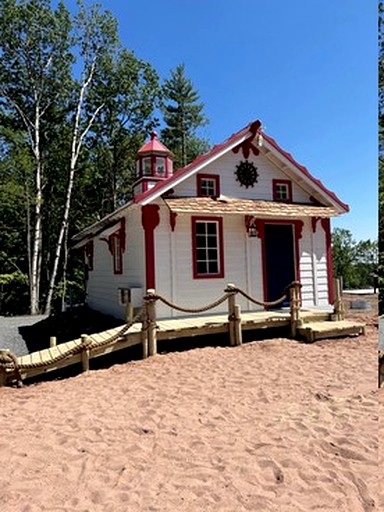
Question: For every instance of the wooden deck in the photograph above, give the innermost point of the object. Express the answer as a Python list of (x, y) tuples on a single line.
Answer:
[(316, 324)]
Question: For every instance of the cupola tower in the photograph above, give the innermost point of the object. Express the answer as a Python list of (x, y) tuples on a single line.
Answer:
[(153, 164)]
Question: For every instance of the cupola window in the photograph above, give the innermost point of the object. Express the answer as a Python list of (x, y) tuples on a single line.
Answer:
[(160, 166), (147, 171)]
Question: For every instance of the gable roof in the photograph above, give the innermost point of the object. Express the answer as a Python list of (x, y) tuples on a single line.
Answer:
[(234, 140), (249, 132)]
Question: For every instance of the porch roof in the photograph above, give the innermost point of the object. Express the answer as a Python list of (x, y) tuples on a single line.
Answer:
[(264, 209)]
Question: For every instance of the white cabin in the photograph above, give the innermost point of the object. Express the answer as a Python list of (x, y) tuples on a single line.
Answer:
[(245, 213)]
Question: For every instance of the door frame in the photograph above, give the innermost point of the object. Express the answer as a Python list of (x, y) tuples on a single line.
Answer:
[(297, 232)]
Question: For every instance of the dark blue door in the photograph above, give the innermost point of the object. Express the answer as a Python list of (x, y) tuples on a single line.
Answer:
[(279, 258)]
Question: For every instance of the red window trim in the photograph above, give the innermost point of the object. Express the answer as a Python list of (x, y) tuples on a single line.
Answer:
[(219, 221), (214, 177), (120, 235), (117, 256), (152, 158), (276, 182), (89, 251)]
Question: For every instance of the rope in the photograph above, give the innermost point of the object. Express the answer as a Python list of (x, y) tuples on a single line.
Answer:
[(258, 302), (153, 297), (9, 360)]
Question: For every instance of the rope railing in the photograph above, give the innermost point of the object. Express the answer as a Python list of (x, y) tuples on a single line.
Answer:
[(234, 289), (10, 363), (11, 368), (154, 297)]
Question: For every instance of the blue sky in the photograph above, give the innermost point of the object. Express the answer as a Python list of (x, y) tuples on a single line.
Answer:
[(306, 68)]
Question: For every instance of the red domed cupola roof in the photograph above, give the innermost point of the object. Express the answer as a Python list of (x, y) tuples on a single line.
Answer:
[(154, 146)]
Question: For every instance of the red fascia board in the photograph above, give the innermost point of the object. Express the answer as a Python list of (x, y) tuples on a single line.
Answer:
[(198, 161), (305, 171)]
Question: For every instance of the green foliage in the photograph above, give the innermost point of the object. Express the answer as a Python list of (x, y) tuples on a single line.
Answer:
[(183, 115), (355, 262), (59, 71)]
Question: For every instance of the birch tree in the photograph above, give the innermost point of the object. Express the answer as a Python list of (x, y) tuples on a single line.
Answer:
[(34, 75), (97, 43)]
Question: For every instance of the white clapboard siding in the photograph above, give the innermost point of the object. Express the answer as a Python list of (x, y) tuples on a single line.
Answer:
[(103, 285), (320, 259), (225, 167), (174, 250), (306, 265)]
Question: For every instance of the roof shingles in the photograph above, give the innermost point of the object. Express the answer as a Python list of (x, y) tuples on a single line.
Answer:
[(264, 209)]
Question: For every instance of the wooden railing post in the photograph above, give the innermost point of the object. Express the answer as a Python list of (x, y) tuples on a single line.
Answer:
[(52, 341), (338, 307), (237, 326), (294, 303), (85, 353), (231, 315), (144, 333), (151, 323)]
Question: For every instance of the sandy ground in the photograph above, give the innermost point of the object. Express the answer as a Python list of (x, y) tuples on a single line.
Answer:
[(269, 426)]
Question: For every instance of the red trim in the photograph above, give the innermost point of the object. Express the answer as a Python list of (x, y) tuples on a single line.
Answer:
[(117, 253), (219, 221), (314, 221), (150, 220), (89, 251), (326, 225), (172, 220), (275, 183), (198, 161), (247, 146), (154, 174), (297, 234), (220, 147), (119, 235), (214, 177), (305, 171)]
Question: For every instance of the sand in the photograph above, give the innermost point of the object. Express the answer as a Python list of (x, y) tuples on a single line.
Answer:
[(269, 426)]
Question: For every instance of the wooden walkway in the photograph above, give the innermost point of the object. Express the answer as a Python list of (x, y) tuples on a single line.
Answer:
[(148, 330), (175, 328)]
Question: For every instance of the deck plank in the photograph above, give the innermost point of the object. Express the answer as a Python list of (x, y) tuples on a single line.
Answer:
[(180, 327)]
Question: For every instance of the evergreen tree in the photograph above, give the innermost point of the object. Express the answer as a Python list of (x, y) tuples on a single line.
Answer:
[(66, 131), (183, 115)]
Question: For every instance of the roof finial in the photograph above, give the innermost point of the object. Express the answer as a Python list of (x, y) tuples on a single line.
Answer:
[(153, 135)]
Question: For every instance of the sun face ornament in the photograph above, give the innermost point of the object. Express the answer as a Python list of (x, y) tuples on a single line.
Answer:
[(246, 174)]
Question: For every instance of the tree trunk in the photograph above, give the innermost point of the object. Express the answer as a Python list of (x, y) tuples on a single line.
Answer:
[(34, 278), (63, 229), (77, 142)]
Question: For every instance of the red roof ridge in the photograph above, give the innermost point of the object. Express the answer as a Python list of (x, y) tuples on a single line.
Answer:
[(251, 128)]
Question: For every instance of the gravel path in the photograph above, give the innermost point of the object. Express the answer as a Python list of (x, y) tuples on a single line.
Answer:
[(11, 332)]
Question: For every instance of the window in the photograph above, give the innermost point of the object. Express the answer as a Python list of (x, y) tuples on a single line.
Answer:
[(117, 253), (208, 185), (160, 166), (147, 170), (207, 243), (282, 190), (88, 251)]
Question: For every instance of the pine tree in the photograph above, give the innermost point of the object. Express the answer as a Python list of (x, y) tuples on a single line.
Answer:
[(183, 115)]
